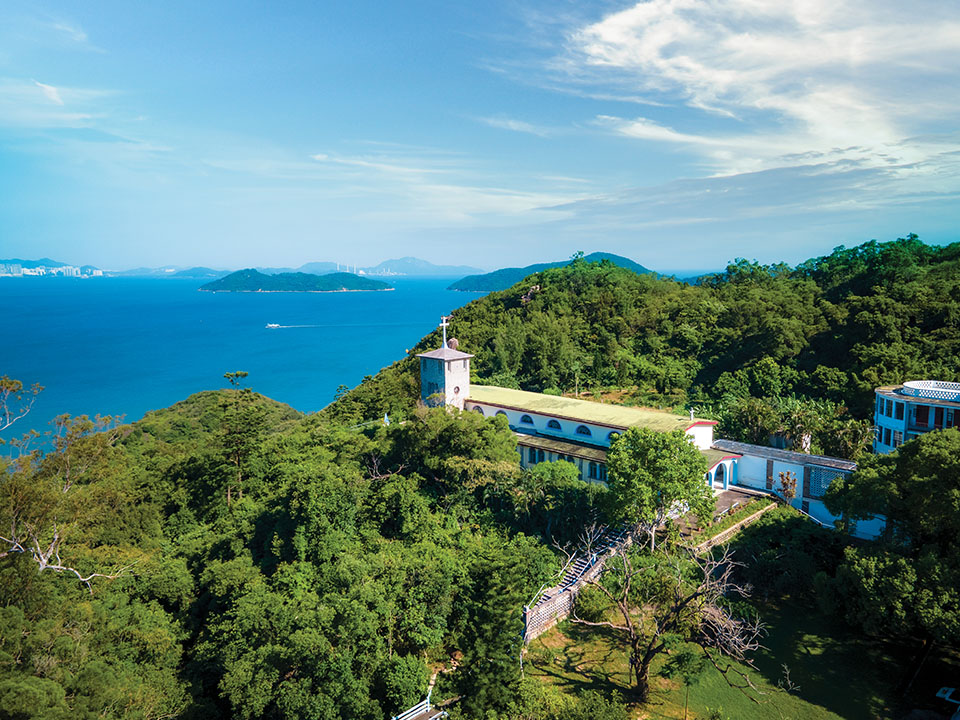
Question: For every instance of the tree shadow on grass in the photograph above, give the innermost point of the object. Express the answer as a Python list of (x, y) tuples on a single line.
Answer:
[(844, 672)]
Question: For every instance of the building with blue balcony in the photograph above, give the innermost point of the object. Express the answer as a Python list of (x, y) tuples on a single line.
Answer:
[(903, 412)]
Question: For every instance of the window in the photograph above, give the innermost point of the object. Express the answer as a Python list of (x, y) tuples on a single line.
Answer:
[(820, 479), (540, 456), (879, 406), (897, 438), (554, 425), (938, 417), (898, 412), (923, 415), (886, 436), (603, 473), (526, 420), (584, 430), (478, 409), (532, 456), (888, 411), (593, 471), (501, 412), (612, 436), (805, 506)]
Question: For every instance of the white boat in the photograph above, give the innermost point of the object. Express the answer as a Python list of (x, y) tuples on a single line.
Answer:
[(272, 326)]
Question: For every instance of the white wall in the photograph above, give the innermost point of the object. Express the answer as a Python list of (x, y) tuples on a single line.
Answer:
[(702, 436)]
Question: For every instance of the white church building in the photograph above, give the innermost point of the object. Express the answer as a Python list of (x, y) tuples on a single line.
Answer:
[(552, 428)]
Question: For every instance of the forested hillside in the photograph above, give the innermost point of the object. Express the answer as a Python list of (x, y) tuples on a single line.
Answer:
[(810, 342), (231, 558)]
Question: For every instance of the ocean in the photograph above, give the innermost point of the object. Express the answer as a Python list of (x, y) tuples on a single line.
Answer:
[(124, 346)]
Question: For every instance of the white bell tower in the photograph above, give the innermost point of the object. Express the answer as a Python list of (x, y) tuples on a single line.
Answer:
[(445, 373)]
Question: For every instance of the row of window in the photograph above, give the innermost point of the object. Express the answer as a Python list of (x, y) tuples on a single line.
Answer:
[(889, 408), (595, 471), (887, 437), (554, 424)]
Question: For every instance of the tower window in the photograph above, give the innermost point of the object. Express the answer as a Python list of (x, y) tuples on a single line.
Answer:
[(584, 430), (554, 425), (526, 420)]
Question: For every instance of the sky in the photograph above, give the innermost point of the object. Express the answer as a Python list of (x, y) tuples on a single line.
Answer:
[(680, 133)]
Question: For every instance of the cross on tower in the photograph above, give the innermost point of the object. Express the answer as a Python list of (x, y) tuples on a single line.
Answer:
[(444, 324)]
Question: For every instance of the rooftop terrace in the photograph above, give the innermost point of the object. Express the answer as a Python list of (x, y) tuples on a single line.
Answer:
[(616, 416)]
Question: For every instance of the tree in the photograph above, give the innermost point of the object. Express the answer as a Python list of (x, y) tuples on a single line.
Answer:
[(50, 498), (239, 431), (662, 601), (788, 486), (909, 583), (15, 402), (652, 473)]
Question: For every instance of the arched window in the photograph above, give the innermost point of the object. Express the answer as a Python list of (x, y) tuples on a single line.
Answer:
[(719, 476), (584, 430), (612, 436), (526, 420), (478, 409), (501, 412), (554, 425)]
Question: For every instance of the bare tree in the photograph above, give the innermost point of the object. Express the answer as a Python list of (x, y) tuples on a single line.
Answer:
[(15, 402), (667, 599), (788, 486), (44, 498)]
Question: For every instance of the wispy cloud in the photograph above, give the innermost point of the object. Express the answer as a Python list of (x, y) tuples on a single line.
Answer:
[(50, 91), (836, 80), (514, 125)]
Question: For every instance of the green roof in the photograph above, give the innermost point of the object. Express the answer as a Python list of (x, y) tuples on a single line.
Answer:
[(588, 452), (714, 456), (619, 416)]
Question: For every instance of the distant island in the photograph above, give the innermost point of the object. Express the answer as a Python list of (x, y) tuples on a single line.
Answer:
[(504, 278), (251, 280)]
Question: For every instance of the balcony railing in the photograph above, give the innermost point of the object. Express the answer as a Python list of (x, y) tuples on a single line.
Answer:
[(932, 389)]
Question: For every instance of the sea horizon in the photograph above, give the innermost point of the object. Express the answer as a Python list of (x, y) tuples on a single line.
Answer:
[(126, 346)]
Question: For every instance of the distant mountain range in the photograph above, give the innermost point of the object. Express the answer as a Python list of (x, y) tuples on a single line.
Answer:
[(506, 277), (251, 280), (409, 266)]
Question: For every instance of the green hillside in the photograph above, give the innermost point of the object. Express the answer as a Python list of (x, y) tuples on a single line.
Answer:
[(505, 277), (251, 280), (829, 330)]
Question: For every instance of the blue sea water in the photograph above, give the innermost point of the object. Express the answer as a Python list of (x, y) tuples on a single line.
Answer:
[(123, 346)]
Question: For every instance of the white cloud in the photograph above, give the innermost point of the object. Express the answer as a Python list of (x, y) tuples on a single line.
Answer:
[(50, 92), (836, 80), (521, 126)]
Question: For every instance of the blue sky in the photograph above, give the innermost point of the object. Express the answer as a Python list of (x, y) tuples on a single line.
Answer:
[(681, 133)]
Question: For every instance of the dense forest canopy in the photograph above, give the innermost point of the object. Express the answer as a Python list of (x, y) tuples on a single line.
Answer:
[(231, 557), (812, 341)]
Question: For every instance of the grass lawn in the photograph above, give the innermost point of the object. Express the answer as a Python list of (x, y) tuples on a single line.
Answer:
[(839, 674)]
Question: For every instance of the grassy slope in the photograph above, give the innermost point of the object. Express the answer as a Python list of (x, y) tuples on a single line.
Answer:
[(839, 674)]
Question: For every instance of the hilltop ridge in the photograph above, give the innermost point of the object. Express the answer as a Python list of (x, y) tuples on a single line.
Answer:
[(505, 277)]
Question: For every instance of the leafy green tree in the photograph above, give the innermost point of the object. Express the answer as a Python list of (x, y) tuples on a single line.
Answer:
[(240, 433), (651, 473), (909, 583)]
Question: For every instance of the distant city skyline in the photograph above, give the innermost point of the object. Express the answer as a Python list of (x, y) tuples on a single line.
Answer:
[(679, 133)]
